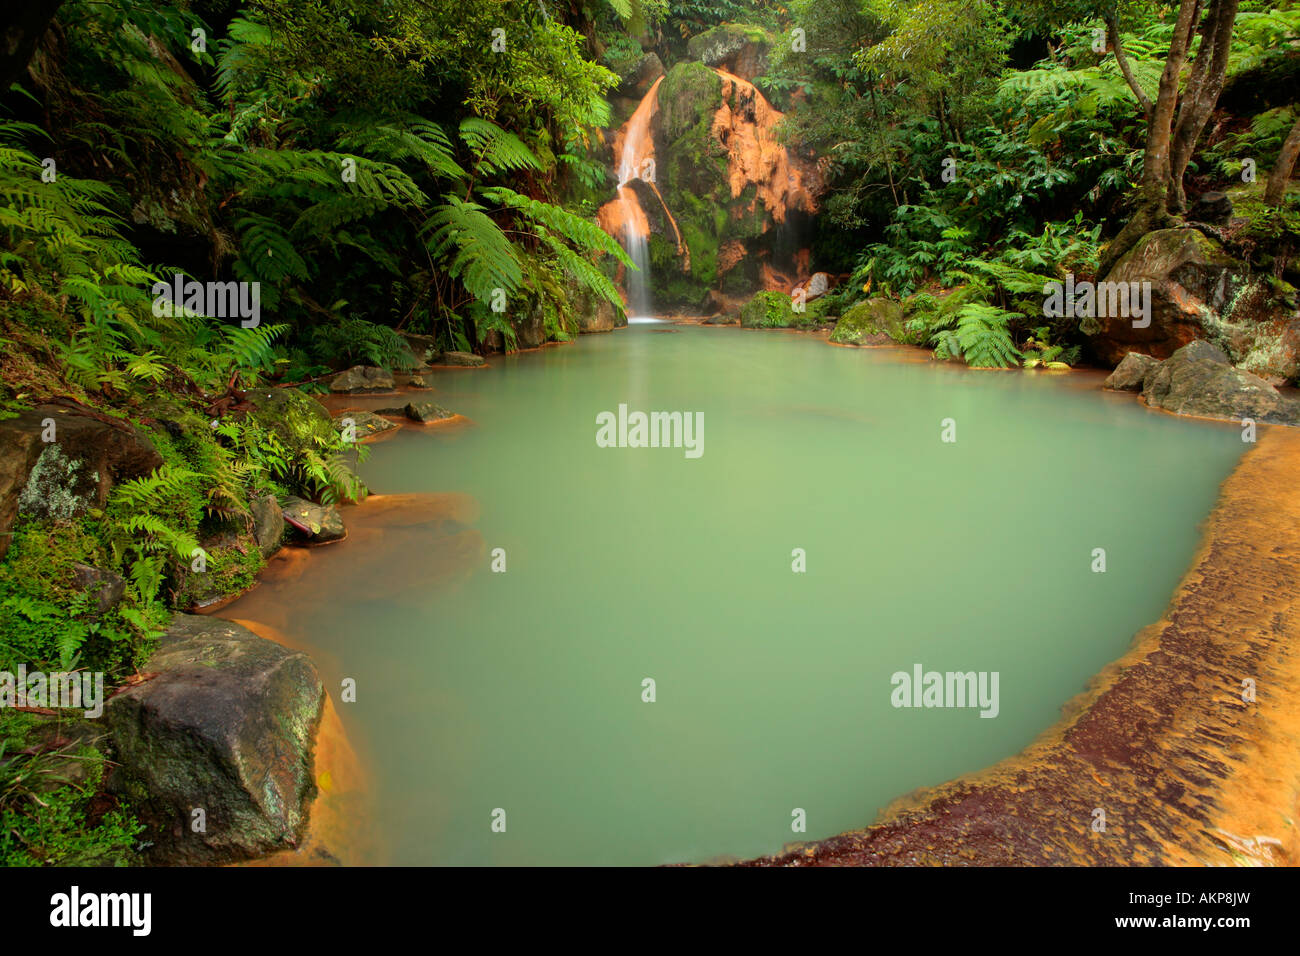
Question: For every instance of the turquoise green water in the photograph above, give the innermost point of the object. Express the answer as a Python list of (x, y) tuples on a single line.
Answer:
[(523, 690)]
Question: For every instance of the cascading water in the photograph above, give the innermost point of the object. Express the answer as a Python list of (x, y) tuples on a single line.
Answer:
[(635, 239), (624, 217)]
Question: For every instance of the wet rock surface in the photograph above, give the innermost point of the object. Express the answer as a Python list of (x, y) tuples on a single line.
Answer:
[(1191, 281), (1128, 375), (225, 726), (360, 379), (320, 524), (1197, 380), (877, 321)]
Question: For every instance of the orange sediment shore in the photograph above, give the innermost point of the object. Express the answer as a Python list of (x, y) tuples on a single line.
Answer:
[(1185, 771)]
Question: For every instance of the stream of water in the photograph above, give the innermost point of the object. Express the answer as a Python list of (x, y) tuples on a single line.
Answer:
[(522, 691)]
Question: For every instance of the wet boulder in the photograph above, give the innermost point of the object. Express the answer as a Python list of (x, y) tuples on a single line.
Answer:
[(215, 750), (877, 321), (461, 359), (227, 568), (366, 425), (426, 412), (360, 379), (1128, 375), (320, 524), (735, 47), (1196, 381), (289, 412)]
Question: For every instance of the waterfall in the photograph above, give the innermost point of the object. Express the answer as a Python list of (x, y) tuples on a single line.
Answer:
[(624, 217)]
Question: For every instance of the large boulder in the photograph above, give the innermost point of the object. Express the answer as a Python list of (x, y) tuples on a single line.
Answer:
[(360, 379), (877, 321), (735, 47), (1128, 375), (636, 78), (70, 474), (226, 726), (1191, 279), (1195, 381)]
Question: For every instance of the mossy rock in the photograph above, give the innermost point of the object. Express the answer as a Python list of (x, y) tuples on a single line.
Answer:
[(873, 322), (230, 565), (690, 93), (740, 48), (776, 310)]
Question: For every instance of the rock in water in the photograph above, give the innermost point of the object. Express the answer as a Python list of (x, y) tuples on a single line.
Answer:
[(369, 424), (466, 359), (426, 412), (877, 321), (1194, 381), (362, 378), (1128, 375), (227, 727), (320, 523)]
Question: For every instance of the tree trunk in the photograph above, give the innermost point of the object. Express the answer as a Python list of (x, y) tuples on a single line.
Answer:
[(1281, 174), (1202, 94), (1112, 30), (1152, 208), (21, 28)]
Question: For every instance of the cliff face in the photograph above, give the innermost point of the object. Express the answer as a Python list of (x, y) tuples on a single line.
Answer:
[(722, 201)]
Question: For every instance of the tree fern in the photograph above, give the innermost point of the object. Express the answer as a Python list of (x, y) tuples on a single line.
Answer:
[(481, 255)]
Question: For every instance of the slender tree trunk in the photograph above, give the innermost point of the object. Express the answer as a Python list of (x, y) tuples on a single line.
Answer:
[(1152, 211), (1278, 179), (1201, 95), (1112, 30)]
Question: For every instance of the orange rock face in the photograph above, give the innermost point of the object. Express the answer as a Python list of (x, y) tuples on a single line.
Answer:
[(746, 124)]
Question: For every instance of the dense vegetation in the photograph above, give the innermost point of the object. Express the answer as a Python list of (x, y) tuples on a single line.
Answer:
[(385, 169)]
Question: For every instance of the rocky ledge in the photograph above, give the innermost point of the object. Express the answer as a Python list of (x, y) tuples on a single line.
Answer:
[(1199, 380)]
